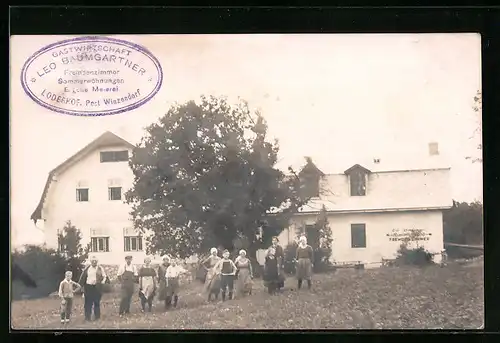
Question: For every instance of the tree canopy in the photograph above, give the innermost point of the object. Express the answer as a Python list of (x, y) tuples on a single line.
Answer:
[(478, 109), (205, 175)]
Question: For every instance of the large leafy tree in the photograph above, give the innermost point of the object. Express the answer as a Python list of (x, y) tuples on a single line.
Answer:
[(463, 224), (205, 175)]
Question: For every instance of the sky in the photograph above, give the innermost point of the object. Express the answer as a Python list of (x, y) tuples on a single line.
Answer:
[(334, 97)]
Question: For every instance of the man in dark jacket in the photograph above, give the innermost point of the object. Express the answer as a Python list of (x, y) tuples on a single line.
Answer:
[(92, 279)]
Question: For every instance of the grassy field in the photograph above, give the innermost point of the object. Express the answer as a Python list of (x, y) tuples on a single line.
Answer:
[(387, 298)]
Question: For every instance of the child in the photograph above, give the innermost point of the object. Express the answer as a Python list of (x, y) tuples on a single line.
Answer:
[(66, 292), (172, 277), (147, 284), (227, 269)]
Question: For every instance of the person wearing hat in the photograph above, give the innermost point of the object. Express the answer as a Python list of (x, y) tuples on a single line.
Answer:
[(162, 281), (127, 274), (210, 279), (280, 257), (227, 269), (92, 279)]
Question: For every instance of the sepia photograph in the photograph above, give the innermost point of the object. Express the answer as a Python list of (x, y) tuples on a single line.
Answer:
[(246, 181)]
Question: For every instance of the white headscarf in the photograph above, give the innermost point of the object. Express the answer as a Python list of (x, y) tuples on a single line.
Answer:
[(241, 257), (165, 258), (213, 250), (303, 241)]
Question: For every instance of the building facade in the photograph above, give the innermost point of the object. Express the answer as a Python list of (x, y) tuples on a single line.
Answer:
[(89, 190), (370, 208)]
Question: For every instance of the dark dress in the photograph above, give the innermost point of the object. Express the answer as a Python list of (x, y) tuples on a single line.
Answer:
[(280, 256), (162, 282), (271, 274)]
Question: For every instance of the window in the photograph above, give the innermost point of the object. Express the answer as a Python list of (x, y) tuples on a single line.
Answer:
[(115, 193), (132, 243), (82, 194), (99, 244), (358, 236), (310, 186), (358, 183), (114, 156)]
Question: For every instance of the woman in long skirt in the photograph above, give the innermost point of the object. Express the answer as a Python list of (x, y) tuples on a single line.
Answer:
[(271, 271), (280, 257), (305, 258), (147, 285), (162, 281), (209, 264), (244, 274), (172, 275)]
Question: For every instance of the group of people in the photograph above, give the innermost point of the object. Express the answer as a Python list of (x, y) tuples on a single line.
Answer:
[(220, 279), (221, 272)]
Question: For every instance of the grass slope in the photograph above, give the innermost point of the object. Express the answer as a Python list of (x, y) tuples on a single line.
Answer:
[(386, 298)]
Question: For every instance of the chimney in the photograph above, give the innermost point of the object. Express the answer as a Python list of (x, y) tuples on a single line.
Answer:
[(433, 149)]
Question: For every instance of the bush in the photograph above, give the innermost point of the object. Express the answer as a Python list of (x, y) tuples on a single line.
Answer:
[(70, 248), (413, 257), (45, 266)]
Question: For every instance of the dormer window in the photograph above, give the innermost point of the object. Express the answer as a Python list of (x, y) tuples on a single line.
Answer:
[(357, 176), (310, 177), (310, 186)]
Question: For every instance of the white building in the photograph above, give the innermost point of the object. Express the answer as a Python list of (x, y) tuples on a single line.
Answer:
[(372, 207), (369, 206), (88, 189)]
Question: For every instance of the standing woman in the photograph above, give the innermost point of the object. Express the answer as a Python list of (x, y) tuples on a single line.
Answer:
[(305, 258), (271, 271), (209, 264), (172, 275), (280, 257), (245, 275), (127, 275), (147, 284), (226, 268), (162, 281)]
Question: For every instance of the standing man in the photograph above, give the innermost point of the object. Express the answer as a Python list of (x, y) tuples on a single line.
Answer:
[(92, 279), (127, 275)]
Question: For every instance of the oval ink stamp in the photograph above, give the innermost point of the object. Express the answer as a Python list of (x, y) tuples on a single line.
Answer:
[(92, 76)]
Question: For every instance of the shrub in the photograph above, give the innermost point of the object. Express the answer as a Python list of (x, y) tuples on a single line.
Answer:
[(413, 257), (45, 266), (71, 250)]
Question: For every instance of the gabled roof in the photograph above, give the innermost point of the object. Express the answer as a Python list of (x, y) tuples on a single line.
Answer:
[(310, 168), (357, 167), (106, 139)]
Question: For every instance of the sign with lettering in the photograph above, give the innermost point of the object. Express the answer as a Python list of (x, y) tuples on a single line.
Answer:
[(408, 235)]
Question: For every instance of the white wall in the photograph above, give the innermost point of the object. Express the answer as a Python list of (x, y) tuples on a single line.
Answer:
[(385, 190), (378, 226), (99, 212)]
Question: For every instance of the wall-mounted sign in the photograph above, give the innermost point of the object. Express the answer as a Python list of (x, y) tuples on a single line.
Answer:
[(408, 235)]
